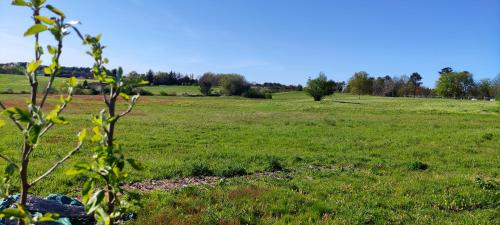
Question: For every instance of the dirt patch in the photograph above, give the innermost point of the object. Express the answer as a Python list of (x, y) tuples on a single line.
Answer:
[(171, 184)]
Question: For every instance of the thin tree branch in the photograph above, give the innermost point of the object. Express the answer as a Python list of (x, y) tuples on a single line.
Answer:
[(61, 108), (130, 107), (9, 160), (59, 163), (57, 70), (18, 124)]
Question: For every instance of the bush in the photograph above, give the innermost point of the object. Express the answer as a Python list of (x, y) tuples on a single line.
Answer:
[(206, 82), (200, 169), (233, 84), (275, 165), (233, 171), (417, 165), (163, 93), (320, 87), (257, 93)]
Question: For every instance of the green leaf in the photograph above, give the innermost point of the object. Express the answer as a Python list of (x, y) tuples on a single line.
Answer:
[(136, 165), (34, 133), (54, 118), (35, 29), (79, 168), (48, 217), (33, 66), (103, 216), (45, 19), (94, 201), (143, 82), (55, 10), (73, 82), (124, 96), (19, 114), (10, 169), (20, 3), (47, 71), (11, 213), (82, 135), (87, 188), (51, 49)]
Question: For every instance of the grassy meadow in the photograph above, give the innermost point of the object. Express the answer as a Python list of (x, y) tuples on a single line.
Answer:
[(343, 160)]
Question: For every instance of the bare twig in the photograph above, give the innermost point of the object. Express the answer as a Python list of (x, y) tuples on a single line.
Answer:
[(130, 107), (57, 164)]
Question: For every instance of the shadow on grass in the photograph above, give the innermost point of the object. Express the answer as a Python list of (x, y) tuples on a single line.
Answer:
[(354, 103)]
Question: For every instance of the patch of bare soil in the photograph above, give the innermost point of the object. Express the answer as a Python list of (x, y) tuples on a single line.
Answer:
[(171, 184)]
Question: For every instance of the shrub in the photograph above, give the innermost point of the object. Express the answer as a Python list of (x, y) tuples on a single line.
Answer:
[(417, 165), (201, 169), (164, 93), (319, 87), (206, 82), (233, 84), (275, 165), (257, 93), (233, 171)]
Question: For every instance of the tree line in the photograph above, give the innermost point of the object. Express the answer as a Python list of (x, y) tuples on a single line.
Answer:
[(19, 68), (450, 84)]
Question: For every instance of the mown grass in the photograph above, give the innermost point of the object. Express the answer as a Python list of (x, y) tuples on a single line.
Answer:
[(344, 160), (19, 83), (173, 90)]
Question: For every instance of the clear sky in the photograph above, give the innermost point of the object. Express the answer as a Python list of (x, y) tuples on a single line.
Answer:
[(283, 41)]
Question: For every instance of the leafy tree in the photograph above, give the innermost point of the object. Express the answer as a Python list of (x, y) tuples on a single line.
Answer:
[(360, 83), (206, 82), (33, 122), (485, 89), (319, 87), (415, 82), (150, 77), (454, 84)]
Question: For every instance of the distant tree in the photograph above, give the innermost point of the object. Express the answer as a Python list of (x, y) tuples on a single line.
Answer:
[(320, 87), (150, 75), (233, 84), (485, 89), (360, 83), (389, 86), (378, 86), (446, 70), (415, 82), (496, 87), (206, 82), (453, 84)]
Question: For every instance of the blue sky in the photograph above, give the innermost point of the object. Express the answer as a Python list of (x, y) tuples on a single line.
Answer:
[(283, 41)]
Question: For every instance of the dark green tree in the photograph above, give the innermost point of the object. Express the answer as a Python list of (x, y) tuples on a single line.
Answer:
[(320, 87), (415, 82)]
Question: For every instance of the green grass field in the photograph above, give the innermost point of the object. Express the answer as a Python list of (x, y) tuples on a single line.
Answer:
[(19, 83), (174, 90), (346, 161)]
